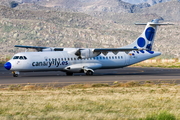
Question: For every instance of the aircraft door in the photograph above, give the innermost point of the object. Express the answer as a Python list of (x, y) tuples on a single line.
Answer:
[(127, 59), (131, 57)]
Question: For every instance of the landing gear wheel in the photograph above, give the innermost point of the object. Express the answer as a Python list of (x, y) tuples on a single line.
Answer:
[(69, 73), (15, 75), (89, 73)]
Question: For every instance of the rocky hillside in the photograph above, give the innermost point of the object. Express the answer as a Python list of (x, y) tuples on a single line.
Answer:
[(170, 11), (151, 2), (116, 6), (53, 28), (57, 26), (68, 29)]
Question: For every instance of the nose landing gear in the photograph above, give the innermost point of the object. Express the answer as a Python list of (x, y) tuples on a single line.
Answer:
[(15, 73)]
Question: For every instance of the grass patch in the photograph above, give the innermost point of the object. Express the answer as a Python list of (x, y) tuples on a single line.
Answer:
[(116, 101), (164, 115), (87, 85), (159, 64), (127, 84)]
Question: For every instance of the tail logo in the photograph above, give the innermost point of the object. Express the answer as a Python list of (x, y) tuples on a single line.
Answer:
[(148, 39), (150, 33), (141, 42)]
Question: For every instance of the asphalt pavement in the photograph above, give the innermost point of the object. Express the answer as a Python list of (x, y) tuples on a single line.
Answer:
[(100, 76)]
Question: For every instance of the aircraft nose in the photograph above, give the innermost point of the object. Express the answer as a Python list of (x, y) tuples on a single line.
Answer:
[(7, 65)]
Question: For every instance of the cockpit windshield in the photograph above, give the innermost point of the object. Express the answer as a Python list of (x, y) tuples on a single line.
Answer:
[(19, 57), (16, 57)]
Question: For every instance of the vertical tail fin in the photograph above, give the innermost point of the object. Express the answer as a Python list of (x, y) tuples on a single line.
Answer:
[(146, 39)]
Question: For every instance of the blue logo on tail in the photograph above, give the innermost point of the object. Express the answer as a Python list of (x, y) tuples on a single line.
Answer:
[(150, 33)]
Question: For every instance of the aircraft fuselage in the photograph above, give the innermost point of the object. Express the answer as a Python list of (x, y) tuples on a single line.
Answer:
[(60, 60)]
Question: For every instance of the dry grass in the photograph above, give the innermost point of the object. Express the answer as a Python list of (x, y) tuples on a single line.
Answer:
[(89, 101), (159, 64)]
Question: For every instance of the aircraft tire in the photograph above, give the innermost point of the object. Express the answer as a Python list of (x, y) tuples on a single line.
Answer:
[(15, 75), (89, 73), (69, 73)]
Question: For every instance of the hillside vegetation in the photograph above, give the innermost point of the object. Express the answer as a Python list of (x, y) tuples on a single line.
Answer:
[(31, 24)]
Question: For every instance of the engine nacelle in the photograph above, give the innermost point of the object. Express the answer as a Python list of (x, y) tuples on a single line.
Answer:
[(47, 49), (86, 53)]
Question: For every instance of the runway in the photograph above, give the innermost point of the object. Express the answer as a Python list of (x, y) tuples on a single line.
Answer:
[(100, 76)]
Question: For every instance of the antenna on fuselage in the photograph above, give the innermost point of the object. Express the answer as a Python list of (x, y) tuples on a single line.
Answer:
[(26, 50)]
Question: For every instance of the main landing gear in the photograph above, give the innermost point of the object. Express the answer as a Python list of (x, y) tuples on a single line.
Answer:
[(89, 73)]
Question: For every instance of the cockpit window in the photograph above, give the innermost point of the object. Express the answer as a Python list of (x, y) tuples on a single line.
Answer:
[(25, 57), (16, 57), (20, 57)]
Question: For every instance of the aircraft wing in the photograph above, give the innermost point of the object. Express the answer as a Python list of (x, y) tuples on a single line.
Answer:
[(115, 49), (39, 48)]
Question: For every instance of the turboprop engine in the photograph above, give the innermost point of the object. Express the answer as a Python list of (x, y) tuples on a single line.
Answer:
[(48, 49), (86, 53)]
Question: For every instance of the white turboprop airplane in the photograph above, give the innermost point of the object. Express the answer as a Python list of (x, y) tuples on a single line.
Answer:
[(85, 60)]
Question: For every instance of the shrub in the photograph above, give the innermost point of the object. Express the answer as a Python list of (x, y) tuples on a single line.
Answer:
[(164, 115)]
